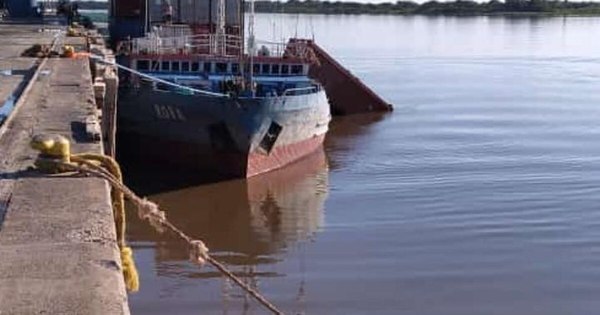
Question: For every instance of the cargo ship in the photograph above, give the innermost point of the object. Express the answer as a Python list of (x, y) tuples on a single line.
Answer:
[(198, 97)]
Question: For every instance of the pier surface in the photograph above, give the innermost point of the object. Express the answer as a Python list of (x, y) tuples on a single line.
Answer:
[(57, 237)]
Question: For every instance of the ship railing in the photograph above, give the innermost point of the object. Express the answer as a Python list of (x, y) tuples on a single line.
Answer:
[(281, 49), (302, 91), (204, 44), (270, 48)]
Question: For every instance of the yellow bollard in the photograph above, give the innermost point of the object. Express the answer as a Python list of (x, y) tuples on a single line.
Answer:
[(69, 51)]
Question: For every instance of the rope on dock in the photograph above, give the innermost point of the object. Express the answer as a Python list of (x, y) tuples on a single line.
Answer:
[(155, 79), (56, 158)]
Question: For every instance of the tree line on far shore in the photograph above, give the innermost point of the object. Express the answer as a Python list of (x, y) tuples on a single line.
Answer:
[(457, 7)]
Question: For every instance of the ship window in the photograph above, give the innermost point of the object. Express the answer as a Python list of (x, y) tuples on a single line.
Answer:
[(285, 69), (207, 66), (296, 69), (275, 69), (221, 67), (195, 66), (265, 68), (235, 68), (175, 66), (154, 65), (143, 65), (165, 66), (256, 68), (185, 66)]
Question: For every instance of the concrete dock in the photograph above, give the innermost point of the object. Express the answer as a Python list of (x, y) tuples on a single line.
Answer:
[(58, 251)]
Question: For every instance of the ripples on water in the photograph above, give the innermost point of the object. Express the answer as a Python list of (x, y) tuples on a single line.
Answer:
[(478, 195)]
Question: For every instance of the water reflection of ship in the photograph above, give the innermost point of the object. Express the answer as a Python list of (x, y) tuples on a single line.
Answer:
[(244, 222)]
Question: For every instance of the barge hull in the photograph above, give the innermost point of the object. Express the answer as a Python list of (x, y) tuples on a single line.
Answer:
[(347, 93)]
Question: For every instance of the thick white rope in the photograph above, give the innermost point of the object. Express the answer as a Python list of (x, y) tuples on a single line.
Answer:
[(155, 79)]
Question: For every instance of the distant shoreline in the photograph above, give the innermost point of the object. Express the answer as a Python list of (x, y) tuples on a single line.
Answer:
[(512, 8)]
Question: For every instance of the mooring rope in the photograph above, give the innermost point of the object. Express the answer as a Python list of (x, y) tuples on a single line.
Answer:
[(155, 79), (56, 158)]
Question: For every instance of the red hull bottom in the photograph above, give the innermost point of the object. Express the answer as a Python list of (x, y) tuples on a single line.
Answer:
[(259, 163), (187, 156)]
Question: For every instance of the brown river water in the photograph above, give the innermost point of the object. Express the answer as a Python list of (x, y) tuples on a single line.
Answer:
[(479, 194)]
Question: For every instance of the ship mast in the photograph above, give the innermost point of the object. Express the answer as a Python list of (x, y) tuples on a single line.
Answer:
[(251, 45), (220, 48), (146, 17)]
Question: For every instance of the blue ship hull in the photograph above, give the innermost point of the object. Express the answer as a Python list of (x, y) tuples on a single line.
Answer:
[(239, 137)]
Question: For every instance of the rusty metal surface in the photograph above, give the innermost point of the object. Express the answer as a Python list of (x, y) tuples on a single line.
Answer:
[(346, 93)]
